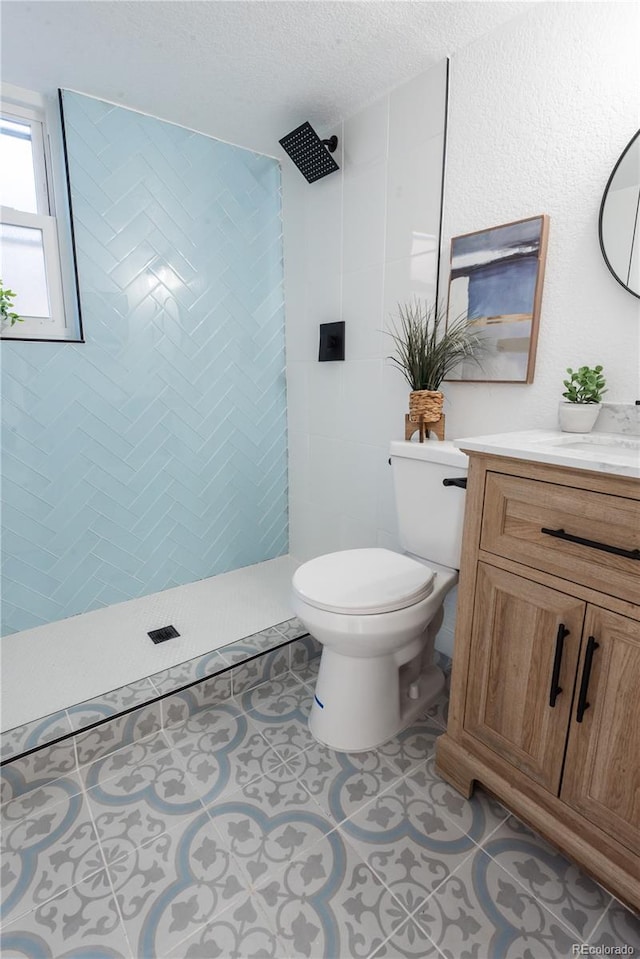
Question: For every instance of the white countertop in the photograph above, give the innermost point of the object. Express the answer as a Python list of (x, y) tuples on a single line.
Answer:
[(614, 453)]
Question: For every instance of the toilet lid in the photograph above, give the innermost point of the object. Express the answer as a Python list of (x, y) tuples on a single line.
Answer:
[(361, 581)]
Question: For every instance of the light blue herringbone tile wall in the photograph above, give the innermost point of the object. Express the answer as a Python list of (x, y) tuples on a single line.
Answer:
[(155, 453)]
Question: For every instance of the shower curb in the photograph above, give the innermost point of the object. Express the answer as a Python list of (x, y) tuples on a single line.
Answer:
[(44, 763)]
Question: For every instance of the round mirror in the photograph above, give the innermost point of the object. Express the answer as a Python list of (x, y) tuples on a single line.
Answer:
[(619, 225)]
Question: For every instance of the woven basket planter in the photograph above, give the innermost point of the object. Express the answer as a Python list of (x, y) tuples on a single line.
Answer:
[(426, 404)]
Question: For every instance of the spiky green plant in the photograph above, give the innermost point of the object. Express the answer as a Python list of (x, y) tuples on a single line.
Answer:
[(425, 354)]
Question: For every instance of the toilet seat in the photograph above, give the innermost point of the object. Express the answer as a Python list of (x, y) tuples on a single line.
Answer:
[(361, 582)]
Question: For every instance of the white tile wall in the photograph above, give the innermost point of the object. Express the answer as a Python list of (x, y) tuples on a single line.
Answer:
[(413, 215), (362, 402), (364, 210), (365, 135), (362, 311), (359, 241), (406, 278)]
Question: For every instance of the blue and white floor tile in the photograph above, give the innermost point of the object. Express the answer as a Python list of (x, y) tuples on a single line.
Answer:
[(54, 846), (279, 711), (221, 751), (36, 733), (173, 886), (234, 833), (341, 783), (561, 886), (482, 911), (138, 794), (618, 926), (138, 725), (307, 671), (187, 672), (329, 903), (36, 770), (478, 817), (408, 941), (110, 704), (407, 842), (410, 747), (294, 629), (254, 672), (241, 931), (268, 823), (81, 922), (180, 707)]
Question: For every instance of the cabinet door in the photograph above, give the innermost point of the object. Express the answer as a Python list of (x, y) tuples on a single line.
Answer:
[(521, 630), (602, 771)]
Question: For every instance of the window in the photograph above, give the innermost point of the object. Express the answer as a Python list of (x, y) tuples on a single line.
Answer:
[(35, 230)]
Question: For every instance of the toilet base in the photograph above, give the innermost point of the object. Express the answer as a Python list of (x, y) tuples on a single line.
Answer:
[(359, 704)]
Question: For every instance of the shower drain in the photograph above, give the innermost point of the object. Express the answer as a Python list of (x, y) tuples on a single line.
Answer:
[(162, 634)]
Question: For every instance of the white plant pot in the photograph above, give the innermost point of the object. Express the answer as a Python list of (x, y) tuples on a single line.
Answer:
[(578, 417)]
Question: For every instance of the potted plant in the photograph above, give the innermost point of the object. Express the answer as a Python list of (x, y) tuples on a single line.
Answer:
[(425, 354), (583, 394), (7, 316)]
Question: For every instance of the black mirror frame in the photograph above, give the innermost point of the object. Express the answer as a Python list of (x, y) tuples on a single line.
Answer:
[(602, 203)]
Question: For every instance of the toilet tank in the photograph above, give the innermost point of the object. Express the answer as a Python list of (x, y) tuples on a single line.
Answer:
[(430, 515)]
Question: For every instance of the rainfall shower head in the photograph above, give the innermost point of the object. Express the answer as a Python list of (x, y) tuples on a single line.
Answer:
[(310, 154)]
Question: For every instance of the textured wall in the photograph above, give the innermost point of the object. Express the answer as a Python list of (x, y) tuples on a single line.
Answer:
[(155, 453), (540, 110)]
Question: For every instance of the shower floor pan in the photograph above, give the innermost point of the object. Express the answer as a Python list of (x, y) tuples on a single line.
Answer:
[(98, 664)]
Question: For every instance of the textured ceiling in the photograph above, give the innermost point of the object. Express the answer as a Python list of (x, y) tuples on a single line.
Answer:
[(247, 72)]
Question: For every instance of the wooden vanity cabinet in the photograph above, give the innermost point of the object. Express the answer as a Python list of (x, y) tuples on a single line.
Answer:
[(602, 775), (545, 692)]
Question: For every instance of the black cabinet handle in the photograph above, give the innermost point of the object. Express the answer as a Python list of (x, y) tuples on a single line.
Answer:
[(570, 538), (583, 705), (557, 663), (460, 481)]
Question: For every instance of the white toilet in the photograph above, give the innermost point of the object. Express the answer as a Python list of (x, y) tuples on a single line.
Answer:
[(377, 612)]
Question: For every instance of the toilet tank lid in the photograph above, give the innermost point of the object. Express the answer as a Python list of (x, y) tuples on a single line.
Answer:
[(433, 451), (363, 581)]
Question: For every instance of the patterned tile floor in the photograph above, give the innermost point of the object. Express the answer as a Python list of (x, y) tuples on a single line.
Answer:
[(236, 835)]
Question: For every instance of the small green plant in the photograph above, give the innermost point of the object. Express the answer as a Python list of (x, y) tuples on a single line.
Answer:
[(584, 385), (423, 354), (6, 306)]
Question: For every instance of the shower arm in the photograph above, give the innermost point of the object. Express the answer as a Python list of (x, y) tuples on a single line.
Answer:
[(331, 144)]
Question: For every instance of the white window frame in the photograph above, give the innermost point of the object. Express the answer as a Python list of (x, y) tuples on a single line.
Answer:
[(52, 219)]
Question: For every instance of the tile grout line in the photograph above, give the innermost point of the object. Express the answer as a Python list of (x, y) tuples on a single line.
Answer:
[(601, 919), (407, 922), (106, 865)]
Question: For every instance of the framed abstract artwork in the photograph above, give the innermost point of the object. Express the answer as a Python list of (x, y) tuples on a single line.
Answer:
[(496, 280)]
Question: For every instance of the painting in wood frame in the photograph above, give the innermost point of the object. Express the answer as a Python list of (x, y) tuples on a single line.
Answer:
[(496, 280)]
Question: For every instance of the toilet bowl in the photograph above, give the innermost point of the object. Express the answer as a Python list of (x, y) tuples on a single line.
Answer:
[(363, 695), (376, 612)]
